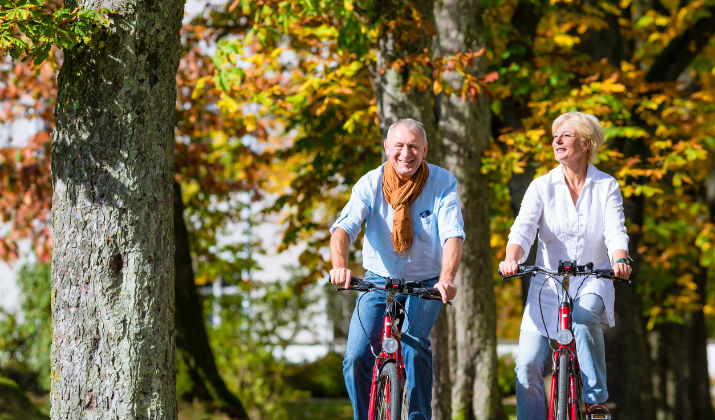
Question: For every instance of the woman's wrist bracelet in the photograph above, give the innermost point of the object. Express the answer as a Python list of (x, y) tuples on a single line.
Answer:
[(626, 261)]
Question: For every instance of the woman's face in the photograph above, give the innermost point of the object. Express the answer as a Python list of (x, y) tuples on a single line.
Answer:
[(567, 145)]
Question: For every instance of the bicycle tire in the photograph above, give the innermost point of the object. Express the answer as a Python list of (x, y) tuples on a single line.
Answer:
[(563, 387), (388, 396)]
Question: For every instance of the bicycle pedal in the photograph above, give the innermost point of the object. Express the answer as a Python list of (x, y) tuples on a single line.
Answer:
[(599, 416)]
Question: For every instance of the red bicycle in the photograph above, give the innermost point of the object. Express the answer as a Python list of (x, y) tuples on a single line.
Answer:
[(388, 373), (565, 401)]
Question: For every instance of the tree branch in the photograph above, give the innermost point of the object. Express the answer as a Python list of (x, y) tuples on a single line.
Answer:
[(681, 51)]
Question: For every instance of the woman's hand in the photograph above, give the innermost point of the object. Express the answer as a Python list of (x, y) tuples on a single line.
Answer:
[(622, 270), (509, 267)]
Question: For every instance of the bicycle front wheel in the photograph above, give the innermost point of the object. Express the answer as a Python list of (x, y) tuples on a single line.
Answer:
[(388, 395), (563, 387)]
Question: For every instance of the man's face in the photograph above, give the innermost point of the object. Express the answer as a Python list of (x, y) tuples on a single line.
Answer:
[(405, 150)]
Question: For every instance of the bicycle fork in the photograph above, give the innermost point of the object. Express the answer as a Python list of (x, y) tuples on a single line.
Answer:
[(567, 345), (391, 350)]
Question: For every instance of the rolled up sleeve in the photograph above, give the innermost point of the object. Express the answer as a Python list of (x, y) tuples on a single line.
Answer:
[(449, 214), (523, 231), (614, 227), (355, 211)]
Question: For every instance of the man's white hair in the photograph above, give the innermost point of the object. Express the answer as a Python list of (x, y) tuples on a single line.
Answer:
[(412, 126)]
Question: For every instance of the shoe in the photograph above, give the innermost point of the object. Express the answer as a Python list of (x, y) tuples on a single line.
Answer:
[(598, 411)]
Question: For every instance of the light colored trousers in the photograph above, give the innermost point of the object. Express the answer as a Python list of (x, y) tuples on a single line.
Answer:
[(534, 353)]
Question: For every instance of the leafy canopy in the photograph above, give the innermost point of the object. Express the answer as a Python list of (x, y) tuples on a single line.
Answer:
[(29, 28)]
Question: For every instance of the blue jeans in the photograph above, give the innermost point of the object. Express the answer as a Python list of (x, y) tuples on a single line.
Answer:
[(534, 352), (359, 359)]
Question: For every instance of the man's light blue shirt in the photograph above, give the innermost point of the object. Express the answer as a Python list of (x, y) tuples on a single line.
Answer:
[(436, 217)]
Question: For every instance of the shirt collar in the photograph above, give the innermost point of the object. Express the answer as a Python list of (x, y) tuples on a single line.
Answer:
[(558, 177)]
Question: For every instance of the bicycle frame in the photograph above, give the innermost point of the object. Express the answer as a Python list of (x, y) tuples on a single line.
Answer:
[(575, 384), (390, 329), (565, 337), (389, 364)]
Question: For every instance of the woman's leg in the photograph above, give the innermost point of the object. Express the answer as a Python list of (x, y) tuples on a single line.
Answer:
[(531, 359), (590, 347)]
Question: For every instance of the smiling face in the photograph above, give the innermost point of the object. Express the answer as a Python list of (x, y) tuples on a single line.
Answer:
[(405, 150), (568, 147)]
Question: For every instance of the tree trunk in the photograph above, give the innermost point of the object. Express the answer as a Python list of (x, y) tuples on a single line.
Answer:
[(112, 268), (193, 351), (464, 130), (515, 109), (394, 102), (441, 355), (628, 362)]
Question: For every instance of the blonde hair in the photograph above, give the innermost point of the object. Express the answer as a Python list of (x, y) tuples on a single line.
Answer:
[(588, 128)]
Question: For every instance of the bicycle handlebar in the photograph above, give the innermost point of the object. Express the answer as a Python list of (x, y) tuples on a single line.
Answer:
[(412, 288), (567, 267)]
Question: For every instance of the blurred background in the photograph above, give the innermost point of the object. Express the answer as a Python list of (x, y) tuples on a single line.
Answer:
[(280, 110)]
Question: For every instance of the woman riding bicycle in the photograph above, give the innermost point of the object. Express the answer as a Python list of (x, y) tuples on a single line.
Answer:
[(578, 212)]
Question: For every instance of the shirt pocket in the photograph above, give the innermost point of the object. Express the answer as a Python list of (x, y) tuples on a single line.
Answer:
[(425, 226)]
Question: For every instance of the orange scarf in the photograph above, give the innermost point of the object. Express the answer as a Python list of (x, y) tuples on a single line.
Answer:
[(400, 194)]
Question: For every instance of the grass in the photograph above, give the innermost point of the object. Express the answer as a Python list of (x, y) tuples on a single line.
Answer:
[(319, 408), (299, 409)]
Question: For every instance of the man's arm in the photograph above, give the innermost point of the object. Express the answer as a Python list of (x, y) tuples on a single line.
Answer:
[(451, 257), (339, 252)]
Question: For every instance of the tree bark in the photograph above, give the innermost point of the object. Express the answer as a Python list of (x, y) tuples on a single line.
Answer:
[(515, 109), (464, 132), (671, 384), (442, 353), (192, 344), (394, 102), (112, 171)]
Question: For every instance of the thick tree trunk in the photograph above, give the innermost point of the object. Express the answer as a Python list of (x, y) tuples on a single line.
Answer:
[(112, 267), (681, 387), (464, 131), (441, 355), (193, 351), (627, 357), (515, 109), (394, 102)]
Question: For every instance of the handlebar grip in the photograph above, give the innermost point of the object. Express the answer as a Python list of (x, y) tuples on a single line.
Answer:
[(521, 270), (608, 274)]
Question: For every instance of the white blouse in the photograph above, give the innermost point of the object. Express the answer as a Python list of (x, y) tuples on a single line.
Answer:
[(589, 231)]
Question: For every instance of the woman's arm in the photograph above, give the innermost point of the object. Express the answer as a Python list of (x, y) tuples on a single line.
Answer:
[(510, 265), (621, 269)]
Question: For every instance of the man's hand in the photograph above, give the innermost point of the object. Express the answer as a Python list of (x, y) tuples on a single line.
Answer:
[(448, 290), (451, 257), (339, 244), (340, 276)]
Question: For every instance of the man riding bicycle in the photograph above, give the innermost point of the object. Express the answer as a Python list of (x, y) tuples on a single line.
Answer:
[(414, 232)]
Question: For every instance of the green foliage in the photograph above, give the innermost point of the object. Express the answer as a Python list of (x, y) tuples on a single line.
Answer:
[(322, 378), (29, 29), (14, 404), (25, 345), (507, 375), (659, 133), (255, 328)]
